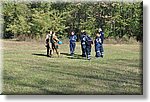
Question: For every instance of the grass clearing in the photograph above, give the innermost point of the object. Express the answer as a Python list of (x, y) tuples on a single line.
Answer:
[(27, 70)]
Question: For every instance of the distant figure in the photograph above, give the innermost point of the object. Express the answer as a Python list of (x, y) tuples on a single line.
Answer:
[(72, 41), (102, 40), (86, 44), (49, 43), (98, 45)]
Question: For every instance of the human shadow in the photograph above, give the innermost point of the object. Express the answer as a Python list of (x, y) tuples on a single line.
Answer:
[(76, 56), (66, 54), (39, 54)]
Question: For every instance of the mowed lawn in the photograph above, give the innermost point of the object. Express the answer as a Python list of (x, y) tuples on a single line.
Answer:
[(27, 70)]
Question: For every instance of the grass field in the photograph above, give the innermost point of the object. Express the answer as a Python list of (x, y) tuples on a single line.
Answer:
[(27, 70)]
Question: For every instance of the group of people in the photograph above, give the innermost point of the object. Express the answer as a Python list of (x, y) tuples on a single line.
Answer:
[(52, 43), (86, 44)]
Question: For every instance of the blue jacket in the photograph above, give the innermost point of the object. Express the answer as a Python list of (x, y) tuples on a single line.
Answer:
[(98, 41), (89, 40), (83, 38), (102, 36), (73, 38), (86, 40)]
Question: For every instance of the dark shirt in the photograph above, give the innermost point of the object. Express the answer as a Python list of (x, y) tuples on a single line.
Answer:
[(73, 38), (82, 38), (102, 36)]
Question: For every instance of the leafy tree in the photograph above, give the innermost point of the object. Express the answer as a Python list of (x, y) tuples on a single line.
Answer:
[(33, 19)]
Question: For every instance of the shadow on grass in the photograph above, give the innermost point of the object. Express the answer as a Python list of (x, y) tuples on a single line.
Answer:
[(76, 56), (66, 54), (99, 77), (39, 54), (44, 91), (129, 78), (41, 86)]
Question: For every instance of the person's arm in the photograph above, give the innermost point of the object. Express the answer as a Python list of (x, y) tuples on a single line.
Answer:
[(102, 34), (75, 37), (91, 40), (55, 38), (47, 39), (80, 37)]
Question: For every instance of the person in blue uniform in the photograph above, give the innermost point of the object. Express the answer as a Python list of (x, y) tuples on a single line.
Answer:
[(86, 45), (98, 45), (89, 43), (83, 43), (72, 41), (102, 40)]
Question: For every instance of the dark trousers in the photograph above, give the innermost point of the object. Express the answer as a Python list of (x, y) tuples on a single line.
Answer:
[(99, 50), (102, 50), (55, 47), (72, 47), (83, 47), (49, 50), (88, 51)]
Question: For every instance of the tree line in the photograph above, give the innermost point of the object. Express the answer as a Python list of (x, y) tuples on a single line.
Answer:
[(34, 19)]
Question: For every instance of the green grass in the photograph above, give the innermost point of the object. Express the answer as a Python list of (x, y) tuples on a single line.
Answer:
[(28, 71)]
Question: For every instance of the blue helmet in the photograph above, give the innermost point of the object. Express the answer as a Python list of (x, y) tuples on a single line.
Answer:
[(59, 42)]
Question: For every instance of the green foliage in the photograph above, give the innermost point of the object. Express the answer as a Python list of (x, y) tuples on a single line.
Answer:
[(33, 19), (16, 18)]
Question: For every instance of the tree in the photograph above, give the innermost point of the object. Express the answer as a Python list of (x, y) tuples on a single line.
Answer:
[(34, 19)]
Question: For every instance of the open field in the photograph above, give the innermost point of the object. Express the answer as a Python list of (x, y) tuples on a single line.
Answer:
[(27, 70)]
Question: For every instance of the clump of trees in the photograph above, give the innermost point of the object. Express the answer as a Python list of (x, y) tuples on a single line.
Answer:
[(34, 19)]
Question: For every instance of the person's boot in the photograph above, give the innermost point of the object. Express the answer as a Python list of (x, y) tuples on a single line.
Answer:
[(47, 52), (102, 54), (89, 57), (50, 53), (58, 54), (72, 54)]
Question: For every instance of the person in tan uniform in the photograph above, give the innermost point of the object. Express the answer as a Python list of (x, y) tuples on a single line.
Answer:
[(48, 43), (55, 41)]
